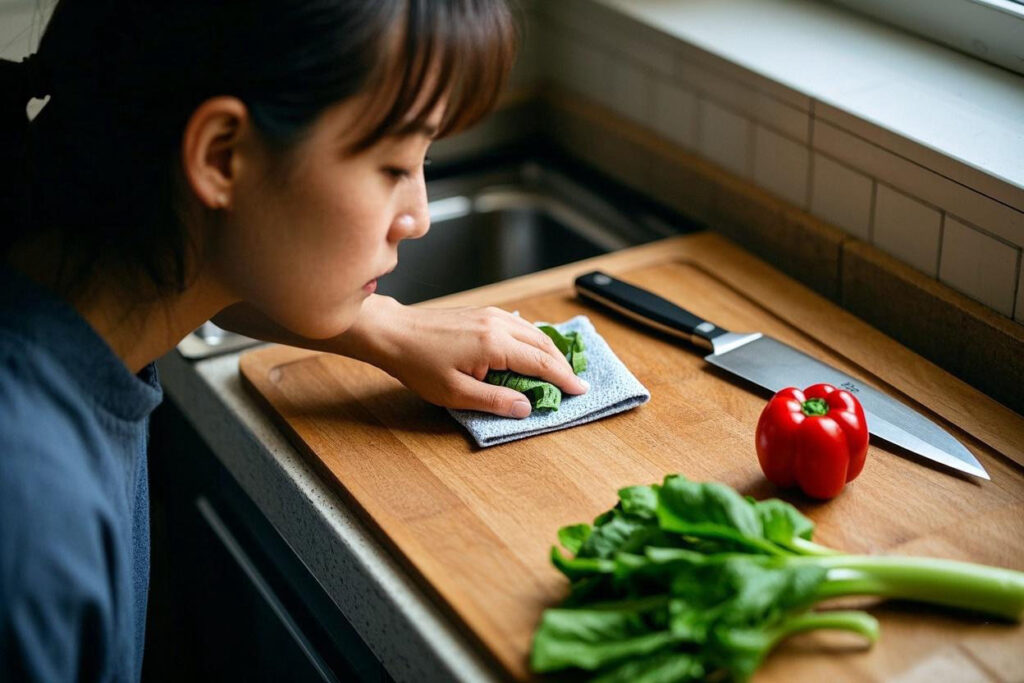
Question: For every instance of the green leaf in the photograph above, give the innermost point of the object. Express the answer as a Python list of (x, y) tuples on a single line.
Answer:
[(782, 522), (542, 395), (663, 667), (618, 532), (571, 346), (763, 590), (580, 567), (741, 650), (711, 509), (566, 343), (599, 635), (572, 537), (641, 501)]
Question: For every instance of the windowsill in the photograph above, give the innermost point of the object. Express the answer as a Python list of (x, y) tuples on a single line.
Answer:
[(948, 112)]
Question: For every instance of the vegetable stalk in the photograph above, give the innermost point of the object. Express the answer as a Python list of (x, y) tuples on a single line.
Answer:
[(992, 590), (685, 580)]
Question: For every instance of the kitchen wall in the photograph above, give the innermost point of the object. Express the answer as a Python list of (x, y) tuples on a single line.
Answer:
[(919, 234), (947, 220)]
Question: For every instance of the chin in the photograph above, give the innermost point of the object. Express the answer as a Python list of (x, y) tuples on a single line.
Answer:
[(325, 324)]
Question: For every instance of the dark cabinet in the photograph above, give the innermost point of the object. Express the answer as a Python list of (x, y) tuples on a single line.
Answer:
[(229, 600)]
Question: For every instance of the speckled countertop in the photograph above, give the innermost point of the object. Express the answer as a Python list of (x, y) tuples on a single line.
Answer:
[(411, 637)]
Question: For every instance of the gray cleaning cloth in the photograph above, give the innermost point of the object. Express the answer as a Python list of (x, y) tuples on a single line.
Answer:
[(613, 389)]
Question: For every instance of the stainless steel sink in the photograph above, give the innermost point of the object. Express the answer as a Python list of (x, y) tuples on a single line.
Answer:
[(493, 225), (496, 223)]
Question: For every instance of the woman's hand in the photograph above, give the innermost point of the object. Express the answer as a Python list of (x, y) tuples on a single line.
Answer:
[(444, 354)]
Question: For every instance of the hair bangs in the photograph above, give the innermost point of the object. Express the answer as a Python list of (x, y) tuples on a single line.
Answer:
[(459, 51)]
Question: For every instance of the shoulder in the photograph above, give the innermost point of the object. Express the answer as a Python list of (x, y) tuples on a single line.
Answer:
[(55, 542), (38, 401)]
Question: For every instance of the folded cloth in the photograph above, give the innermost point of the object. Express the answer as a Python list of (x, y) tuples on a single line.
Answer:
[(613, 389)]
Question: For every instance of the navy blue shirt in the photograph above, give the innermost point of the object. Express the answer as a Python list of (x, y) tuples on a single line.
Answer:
[(74, 495)]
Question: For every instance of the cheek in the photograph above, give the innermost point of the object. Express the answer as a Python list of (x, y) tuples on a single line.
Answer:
[(302, 255)]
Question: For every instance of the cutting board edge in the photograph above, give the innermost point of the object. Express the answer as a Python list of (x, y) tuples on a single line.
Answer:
[(252, 362)]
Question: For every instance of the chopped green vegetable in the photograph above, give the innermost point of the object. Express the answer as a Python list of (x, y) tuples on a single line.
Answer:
[(685, 580), (544, 395)]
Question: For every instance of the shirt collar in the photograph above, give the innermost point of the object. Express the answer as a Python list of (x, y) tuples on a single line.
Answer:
[(50, 323)]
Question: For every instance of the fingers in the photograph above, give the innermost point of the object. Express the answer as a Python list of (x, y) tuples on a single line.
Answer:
[(472, 394), (548, 365)]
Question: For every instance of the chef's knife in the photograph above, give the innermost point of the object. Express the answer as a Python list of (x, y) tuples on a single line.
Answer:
[(774, 366)]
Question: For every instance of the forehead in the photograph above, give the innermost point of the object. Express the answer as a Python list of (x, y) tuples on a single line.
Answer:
[(352, 121)]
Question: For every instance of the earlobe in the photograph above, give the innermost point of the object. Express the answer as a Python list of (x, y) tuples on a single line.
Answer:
[(210, 149)]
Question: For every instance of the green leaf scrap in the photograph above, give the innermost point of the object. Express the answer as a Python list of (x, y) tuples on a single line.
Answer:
[(544, 395)]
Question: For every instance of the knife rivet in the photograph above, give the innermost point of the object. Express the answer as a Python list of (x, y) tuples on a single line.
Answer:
[(601, 279), (705, 327)]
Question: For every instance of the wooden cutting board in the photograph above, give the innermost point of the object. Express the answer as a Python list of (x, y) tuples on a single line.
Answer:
[(475, 526)]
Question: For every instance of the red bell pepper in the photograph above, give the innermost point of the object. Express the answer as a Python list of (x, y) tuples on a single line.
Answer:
[(816, 438)]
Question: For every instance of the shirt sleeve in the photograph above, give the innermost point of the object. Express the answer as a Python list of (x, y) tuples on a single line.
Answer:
[(56, 599)]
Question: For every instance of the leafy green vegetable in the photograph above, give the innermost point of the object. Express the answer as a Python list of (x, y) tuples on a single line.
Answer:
[(544, 395), (572, 537), (663, 667), (685, 580)]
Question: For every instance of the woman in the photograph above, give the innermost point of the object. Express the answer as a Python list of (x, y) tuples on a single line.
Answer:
[(257, 162)]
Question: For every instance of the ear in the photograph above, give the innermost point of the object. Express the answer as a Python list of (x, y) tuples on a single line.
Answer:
[(210, 149)]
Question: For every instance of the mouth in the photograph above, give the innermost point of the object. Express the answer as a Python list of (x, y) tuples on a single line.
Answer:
[(371, 285)]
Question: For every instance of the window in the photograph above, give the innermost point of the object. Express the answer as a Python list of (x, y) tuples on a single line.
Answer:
[(992, 30)]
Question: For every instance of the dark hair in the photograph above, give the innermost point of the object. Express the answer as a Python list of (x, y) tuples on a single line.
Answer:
[(101, 162)]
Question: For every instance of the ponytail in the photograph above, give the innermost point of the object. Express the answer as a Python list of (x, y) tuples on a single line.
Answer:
[(19, 82)]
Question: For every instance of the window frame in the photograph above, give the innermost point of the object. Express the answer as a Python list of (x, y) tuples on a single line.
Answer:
[(994, 28)]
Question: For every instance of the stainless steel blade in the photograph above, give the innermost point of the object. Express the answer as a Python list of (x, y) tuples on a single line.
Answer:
[(774, 366)]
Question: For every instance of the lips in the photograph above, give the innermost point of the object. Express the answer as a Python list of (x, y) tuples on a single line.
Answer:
[(372, 284)]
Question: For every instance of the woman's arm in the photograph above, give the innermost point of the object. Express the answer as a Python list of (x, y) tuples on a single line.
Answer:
[(442, 354)]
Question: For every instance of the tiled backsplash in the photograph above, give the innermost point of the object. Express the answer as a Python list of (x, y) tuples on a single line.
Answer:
[(946, 220)]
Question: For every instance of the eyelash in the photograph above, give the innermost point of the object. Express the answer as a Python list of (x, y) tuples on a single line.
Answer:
[(400, 173)]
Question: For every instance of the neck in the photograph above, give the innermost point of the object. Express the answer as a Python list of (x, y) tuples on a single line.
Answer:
[(139, 333), (138, 328)]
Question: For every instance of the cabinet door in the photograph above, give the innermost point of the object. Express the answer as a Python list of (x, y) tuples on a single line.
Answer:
[(229, 600)]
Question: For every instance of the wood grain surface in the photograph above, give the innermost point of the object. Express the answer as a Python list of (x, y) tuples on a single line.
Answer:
[(474, 526)]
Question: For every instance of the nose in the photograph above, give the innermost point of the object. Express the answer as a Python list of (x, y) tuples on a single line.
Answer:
[(409, 226), (414, 221)]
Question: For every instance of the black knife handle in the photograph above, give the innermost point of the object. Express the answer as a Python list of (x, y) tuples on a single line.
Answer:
[(647, 307)]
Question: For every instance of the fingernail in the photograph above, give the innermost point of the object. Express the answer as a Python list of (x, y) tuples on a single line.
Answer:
[(584, 383), (520, 409)]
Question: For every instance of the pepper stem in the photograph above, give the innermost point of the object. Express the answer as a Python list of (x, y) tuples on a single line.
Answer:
[(814, 407)]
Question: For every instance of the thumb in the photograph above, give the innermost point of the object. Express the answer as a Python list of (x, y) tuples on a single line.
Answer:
[(472, 394)]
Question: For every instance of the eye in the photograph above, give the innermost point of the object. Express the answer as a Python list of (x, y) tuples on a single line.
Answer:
[(399, 173)]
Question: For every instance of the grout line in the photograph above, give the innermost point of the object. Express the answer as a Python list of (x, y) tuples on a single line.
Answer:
[(681, 57), (871, 211), (983, 231), (809, 194), (926, 168), (840, 261), (747, 114), (1018, 305), (751, 144), (909, 195), (698, 126), (938, 255)]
